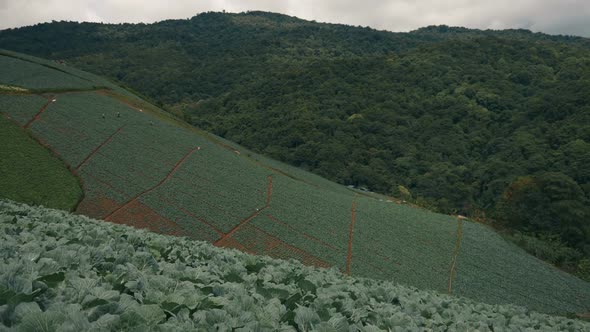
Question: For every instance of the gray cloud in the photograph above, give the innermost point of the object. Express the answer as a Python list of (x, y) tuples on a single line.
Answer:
[(551, 16)]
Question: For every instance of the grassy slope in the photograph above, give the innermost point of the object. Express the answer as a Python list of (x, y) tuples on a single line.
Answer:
[(149, 170), (30, 173), (143, 281)]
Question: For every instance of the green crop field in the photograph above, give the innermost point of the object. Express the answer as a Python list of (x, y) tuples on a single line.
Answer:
[(30, 75), (141, 167), (30, 173), (72, 273)]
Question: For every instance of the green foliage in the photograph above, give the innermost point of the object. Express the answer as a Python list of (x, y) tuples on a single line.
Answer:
[(32, 75), (547, 202), (584, 269), (112, 277), (485, 258), (547, 247), (144, 168), (452, 114), (30, 173)]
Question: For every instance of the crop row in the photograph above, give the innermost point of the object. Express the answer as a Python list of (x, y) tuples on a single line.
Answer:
[(65, 272), (397, 242), (167, 178), (34, 76), (539, 286), (21, 108)]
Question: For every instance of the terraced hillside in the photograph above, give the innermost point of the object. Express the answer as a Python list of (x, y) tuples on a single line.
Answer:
[(141, 167)]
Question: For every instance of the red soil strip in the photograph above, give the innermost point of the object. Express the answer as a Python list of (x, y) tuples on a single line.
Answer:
[(38, 115), (233, 243), (248, 219), (168, 176), (93, 152), (276, 247), (271, 217), (140, 215), (221, 241), (95, 207), (453, 271), (350, 234)]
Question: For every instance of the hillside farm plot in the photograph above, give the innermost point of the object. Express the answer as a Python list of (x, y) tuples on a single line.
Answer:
[(31, 75), (282, 168), (137, 159), (311, 219), (217, 187), (397, 242), (492, 270), (74, 124), (21, 108), (30, 173), (255, 240)]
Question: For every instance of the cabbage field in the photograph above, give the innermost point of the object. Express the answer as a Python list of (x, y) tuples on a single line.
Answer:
[(62, 272), (141, 167)]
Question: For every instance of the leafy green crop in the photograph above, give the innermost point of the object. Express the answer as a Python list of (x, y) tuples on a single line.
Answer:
[(35, 76), (147, 170), (30, 173), (61, 272)]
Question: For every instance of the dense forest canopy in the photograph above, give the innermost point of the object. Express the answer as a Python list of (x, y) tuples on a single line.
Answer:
[(493, 123)]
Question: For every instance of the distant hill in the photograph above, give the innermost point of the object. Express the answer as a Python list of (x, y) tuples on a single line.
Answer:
[(142, 167), (489, 124)]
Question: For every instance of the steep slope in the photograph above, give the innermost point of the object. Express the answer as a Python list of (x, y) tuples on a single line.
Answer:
[(144, 168), (451, 118), (29, 173), (77, 274)]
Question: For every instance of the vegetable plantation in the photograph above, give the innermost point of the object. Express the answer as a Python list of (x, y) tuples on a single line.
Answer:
[(31, 174), (144, 168), (62, 272), (34, 76)]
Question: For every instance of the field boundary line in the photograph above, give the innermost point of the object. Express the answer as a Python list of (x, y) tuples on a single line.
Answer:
[(453, 271), (41, 111), (268, 191), (167, 177), (350, 234), (95, 150), (249, 218), (291, 247)]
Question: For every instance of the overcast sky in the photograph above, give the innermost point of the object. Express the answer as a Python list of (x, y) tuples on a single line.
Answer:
[(550, 16)]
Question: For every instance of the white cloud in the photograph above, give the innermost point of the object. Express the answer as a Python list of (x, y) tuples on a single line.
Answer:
[(551, 16)]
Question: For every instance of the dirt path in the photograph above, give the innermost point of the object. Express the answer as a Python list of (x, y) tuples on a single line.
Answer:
[(38, 115), (350, 234), (249, 218), (168, 176), (268, 191), (453, 271), (95, 150)]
